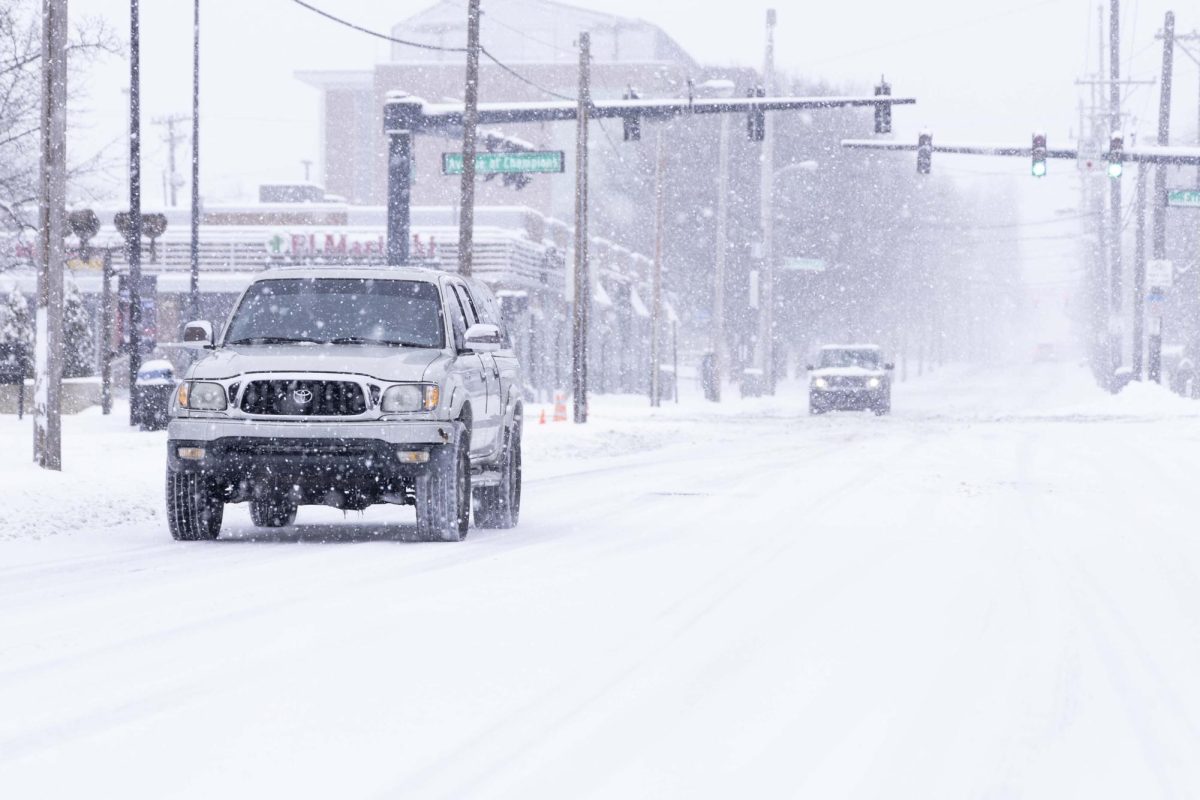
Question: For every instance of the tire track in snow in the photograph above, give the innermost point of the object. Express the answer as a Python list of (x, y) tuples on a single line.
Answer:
[(557, 709)]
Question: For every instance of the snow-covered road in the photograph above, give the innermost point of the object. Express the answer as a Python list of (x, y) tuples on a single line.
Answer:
[(993, 593)]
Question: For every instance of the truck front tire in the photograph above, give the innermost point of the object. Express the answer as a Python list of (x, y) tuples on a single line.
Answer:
[(194, 510), (444, 494)]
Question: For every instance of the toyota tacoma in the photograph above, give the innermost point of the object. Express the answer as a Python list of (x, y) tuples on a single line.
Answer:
[(347, 388)]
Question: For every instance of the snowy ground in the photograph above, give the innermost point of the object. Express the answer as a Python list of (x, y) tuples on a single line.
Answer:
[(993, 593)]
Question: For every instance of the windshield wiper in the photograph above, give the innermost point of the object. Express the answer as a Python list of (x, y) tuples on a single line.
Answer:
[(275, 340), (365, 340)]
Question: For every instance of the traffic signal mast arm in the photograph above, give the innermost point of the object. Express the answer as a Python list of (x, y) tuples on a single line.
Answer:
[(1182, 156), (416, 115)]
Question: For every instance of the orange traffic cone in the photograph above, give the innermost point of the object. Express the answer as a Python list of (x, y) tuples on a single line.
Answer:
[(542, 417), (560, 407)]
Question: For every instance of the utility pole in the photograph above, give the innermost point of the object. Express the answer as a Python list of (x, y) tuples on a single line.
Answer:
[(1160, 184), (656, 284), (466, 225), (172, 139), (1114, 122), (583, 287), (106, 326), (766, 333), (719, 336), (48, 349), (1164, 136), (134, 242), (1139, 276), (194, 254)]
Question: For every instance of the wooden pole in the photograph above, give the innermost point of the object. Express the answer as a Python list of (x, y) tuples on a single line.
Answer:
[(579, 372), (466, 225), (48, 347), (656, 285)]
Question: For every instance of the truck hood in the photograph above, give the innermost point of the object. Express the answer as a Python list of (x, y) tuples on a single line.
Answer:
[(383, 363)]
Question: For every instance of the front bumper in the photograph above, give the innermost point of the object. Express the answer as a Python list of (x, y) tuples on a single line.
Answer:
[(347, 464), (415, 432), (848, 399)]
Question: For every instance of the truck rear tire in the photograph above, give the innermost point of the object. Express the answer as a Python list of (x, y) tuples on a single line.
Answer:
[(194, 510), (500, 506), (444, 494)]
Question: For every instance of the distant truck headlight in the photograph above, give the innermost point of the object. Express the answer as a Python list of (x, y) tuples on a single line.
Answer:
[(409, 397), (873, 383), (199, 396), (821, 383)]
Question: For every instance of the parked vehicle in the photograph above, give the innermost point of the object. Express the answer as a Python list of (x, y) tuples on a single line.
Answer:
[(154, 387), (350, 387), (850, 377)]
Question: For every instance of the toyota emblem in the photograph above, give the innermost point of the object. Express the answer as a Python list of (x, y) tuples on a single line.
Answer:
[(302, 396)]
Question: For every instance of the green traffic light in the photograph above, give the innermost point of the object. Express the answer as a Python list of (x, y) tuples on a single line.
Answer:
[(1115, 168), (1039, 169)]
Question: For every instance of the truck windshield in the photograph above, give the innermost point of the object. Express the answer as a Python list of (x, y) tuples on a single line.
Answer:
[(339, 311), (866, 359)]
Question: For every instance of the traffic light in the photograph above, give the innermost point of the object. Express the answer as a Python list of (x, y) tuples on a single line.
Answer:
[(756, 119), (883, 111), (1039, 155), (1116, 155), (632, 122), (924, 152)]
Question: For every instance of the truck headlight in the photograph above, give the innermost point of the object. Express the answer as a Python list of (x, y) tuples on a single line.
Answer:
[(872, 383), (410, 397), (200, 396), (821, 383)]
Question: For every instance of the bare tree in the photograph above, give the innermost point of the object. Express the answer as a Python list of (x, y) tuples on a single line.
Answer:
[(20, 57)]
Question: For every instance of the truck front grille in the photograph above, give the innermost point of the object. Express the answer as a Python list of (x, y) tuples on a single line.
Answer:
[(304, 398)]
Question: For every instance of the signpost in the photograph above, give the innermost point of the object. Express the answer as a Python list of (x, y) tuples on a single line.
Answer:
[(1159, 274), (500, 163), (1183, 198)]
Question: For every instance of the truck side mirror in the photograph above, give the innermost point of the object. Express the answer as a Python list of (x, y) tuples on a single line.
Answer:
[(482, 337), (889, 366), (198, 335)]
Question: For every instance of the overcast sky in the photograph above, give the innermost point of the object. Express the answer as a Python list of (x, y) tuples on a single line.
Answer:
[(991, 71)]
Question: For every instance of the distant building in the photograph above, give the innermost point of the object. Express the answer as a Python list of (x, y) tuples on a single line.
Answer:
[(535, 37)]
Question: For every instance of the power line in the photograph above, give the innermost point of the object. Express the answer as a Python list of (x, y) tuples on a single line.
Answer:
[(439, 48), (377, 34), (524, 35), (522, 78)]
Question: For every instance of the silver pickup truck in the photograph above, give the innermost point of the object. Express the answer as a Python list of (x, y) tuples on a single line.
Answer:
[(347, 388)]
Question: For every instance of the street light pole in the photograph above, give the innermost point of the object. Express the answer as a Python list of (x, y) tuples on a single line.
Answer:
[(719, 336), (766, 354)]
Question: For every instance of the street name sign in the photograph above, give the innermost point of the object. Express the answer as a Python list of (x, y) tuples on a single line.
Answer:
[(500, 163), (1184, 198), (803, 264)]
